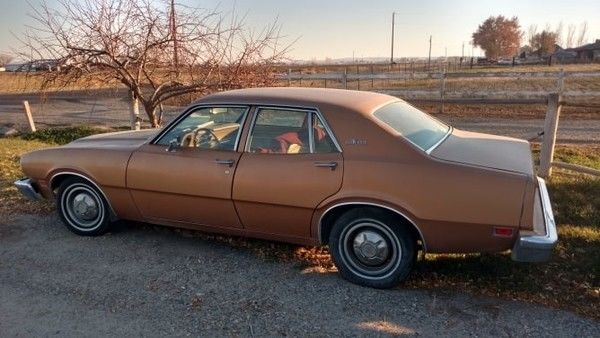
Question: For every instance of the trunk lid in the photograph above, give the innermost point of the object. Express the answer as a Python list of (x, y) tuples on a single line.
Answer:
[(485, 150)]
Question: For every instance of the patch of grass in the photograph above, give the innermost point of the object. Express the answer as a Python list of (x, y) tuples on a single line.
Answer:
[(64, 135), (11, 201)]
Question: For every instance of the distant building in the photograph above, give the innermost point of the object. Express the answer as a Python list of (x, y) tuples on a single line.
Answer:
[(33, 66), (591, 51), (563, 55)]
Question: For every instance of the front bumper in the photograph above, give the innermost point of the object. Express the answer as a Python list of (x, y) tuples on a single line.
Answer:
[(26, 187), (537, 245)]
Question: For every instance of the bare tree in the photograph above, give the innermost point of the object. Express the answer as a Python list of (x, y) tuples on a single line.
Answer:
[(570, 41), (531, 32), (135, 42), (559, 34), (581, 39), (5, 59), (544, 42)]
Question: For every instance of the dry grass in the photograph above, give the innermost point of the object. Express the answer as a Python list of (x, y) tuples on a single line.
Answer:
[(32, 82), (11, 202), (570, 281)]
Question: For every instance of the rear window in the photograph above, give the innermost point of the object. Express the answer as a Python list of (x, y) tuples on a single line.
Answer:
[(418, 127)]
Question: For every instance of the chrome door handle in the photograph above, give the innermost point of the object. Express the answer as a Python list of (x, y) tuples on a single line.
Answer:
[(228, 163), (331, 165)]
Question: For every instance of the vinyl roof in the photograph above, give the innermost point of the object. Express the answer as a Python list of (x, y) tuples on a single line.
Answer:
[(360, 101)]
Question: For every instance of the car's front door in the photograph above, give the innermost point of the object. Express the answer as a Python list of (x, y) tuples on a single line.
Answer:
[(291, 163), (186, 174)]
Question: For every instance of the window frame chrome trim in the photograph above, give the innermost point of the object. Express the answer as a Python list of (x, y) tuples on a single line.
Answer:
[(433, 147), (320, 224), (311, 137), (189, 110)]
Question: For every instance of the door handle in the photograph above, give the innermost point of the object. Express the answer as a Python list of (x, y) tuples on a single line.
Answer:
[(228, 163), (331, 165)]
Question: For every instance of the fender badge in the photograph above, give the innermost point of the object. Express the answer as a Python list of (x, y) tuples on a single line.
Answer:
[(355, 142)]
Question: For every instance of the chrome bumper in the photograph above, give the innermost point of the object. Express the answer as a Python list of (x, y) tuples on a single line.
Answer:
[(26, 188), (538, 247)]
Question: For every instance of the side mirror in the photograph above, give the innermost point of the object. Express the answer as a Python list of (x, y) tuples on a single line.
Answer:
[(173, 146)]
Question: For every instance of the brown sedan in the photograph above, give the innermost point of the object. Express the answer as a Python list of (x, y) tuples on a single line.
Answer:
[(368, 174)]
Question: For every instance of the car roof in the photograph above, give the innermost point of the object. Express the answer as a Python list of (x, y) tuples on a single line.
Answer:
[(358, 101)]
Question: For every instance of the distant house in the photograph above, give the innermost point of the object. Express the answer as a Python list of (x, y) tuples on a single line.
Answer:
[(591, 51), (562, 55), (33, 66)]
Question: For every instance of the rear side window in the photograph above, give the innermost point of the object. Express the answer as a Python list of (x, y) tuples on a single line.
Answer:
[(289, 131), (416, 126)]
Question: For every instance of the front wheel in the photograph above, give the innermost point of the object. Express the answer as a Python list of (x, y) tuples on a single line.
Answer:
[(372, 247), (82, 207)]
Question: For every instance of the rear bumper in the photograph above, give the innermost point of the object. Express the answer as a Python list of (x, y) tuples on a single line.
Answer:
[(537, 246), (26, 188)]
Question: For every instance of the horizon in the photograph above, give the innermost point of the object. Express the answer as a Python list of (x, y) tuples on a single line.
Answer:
[(355, 30)]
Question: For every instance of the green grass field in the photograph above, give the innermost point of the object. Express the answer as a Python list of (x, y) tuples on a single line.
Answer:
[(570, 281)]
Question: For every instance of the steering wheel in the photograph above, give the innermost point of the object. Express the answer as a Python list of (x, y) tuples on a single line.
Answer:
[(205, 136)]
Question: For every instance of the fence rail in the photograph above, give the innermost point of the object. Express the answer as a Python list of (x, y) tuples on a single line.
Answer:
[(341, 76), (441, 95)]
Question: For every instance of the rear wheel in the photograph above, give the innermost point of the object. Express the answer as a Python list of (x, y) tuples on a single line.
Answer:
[(372, 247), (82, 207)]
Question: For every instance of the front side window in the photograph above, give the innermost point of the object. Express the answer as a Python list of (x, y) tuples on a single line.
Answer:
[(288, 131), (207, 128), (418, 127)]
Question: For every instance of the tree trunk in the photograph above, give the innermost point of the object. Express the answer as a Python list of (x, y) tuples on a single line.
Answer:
[(135, 112)]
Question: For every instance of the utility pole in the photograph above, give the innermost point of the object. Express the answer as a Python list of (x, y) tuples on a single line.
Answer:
[(392, 53), (429, 59), (463, 50), (173, 29)]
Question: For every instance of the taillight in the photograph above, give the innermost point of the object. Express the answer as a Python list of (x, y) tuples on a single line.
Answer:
[(503, 232)]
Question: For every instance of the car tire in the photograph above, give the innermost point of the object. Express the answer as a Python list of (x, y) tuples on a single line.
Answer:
[(82, 207), (372, 247)]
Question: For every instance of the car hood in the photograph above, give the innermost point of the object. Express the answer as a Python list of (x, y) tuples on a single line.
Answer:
[(119, 140), (484, 150)]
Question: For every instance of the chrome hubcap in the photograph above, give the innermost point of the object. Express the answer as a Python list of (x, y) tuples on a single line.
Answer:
[(85, 207), (370, 248)]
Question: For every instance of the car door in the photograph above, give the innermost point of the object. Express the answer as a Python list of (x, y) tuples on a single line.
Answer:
[(287, 169), (185, 175)]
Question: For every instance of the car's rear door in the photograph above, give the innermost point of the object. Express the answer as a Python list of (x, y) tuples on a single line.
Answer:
[(287, 169), (190, 182)]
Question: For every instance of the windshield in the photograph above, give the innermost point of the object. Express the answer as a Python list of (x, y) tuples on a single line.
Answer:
[(418, 127)]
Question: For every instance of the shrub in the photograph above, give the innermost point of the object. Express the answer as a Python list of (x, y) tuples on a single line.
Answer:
[(63, 135)]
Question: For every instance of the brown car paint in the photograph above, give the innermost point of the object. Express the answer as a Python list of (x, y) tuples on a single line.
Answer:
[(454, 196)]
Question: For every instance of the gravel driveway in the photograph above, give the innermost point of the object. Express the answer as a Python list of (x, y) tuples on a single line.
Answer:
[(144, 281)]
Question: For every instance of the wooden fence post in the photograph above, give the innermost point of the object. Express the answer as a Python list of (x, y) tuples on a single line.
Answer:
[(442, 90), (289, 76), (29, 116), (345, 78), (560, 84), (549, 141)]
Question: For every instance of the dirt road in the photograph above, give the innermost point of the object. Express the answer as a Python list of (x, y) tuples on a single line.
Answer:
[(111, 107), (147, 281)]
